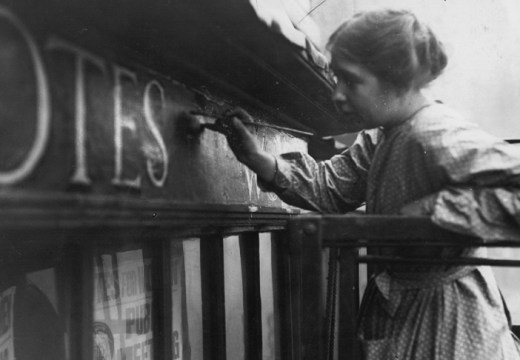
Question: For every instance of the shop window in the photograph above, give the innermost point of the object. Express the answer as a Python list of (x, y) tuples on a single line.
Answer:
[(122, 306)]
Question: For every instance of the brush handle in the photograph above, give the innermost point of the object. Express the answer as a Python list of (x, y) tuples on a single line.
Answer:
[(214, 127)]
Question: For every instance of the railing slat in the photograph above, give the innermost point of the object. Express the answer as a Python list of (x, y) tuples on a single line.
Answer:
[(213, 295), (307, 306), (249, 245), (348, 347)]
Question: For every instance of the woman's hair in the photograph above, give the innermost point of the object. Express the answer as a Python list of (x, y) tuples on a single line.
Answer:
[(393, 45)]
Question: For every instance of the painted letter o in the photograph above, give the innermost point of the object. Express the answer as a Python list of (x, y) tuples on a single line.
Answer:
[(43, 107)]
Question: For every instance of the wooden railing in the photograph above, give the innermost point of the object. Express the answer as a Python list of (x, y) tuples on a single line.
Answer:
[(308, 235)]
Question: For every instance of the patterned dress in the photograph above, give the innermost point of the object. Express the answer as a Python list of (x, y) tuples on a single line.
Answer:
[(466, 181)]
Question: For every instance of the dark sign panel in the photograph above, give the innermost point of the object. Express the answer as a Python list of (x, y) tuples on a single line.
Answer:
[(81, 118)]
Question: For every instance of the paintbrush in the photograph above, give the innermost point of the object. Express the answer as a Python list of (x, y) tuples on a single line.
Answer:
[(220, 124)]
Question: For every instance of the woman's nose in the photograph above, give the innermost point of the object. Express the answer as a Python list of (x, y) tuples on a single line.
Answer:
[(339, 95)]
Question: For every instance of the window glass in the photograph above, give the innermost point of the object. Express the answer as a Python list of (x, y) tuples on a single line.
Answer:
[(191, 248), (122, 306), (270, 349), (186, 299), (177, 289), (234, 299)]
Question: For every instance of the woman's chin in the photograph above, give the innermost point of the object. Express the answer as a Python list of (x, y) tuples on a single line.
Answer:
[(352, 122)]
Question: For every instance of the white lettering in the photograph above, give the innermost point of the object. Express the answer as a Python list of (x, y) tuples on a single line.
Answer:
[(80, 175), (252, 185), (152, 156), (120, 122), (43, 119)]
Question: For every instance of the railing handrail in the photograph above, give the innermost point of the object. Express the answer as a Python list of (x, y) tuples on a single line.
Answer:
[(352, 230)]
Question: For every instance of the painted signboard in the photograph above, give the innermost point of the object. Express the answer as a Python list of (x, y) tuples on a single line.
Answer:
[(81, 117)]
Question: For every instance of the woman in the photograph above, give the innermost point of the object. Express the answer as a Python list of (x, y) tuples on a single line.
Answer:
[(413, 156)]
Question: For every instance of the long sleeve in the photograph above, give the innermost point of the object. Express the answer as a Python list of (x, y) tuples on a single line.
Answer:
[(337, 185), (482, 197)]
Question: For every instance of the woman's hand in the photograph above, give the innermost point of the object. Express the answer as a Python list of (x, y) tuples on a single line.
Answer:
[(245, 146), (412, 209), (421, 207), (241, 141)]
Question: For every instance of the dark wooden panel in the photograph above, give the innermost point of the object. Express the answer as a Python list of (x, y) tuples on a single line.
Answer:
[(162, 300), (81, 284), (37, 210)]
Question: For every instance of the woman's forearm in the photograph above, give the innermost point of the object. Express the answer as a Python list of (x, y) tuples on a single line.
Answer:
[(263, 164)]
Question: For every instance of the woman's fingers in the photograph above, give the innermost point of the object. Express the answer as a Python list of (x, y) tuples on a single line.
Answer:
[(244, 144), (421, 207), (239, 113), (240, 128)]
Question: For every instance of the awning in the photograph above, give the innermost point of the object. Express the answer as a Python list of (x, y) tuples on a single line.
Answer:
[(288, 17)]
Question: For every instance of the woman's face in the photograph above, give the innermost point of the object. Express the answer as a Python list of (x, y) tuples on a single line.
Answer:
[(363, 100)]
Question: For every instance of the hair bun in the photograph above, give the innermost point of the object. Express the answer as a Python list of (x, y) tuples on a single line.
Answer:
[(392, 44)]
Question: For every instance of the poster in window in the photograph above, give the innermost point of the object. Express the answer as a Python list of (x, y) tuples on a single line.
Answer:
[(122, 307), (6, 324)]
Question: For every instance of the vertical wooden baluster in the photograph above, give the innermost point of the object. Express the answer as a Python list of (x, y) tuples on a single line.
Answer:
[(213, 306), (306, 288), (348, 305), (252, 301)]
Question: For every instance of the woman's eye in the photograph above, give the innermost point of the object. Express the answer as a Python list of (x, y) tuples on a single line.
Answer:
[(348, 83), (344, 79)]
